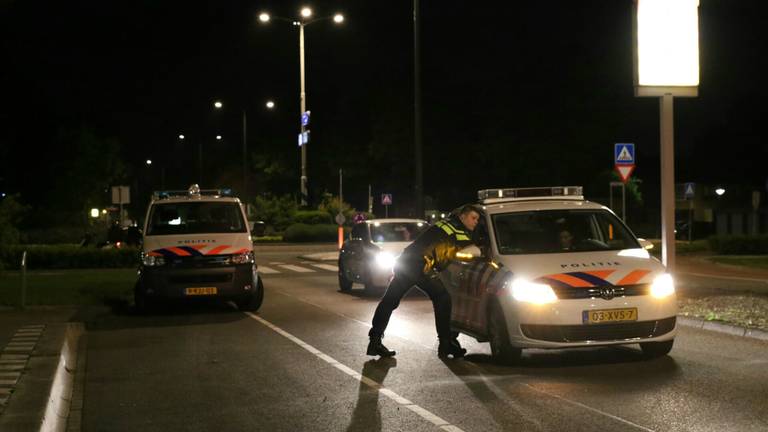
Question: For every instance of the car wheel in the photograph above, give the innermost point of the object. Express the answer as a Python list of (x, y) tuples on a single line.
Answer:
[(253, 302), (344, 283), (656, 349), (501, 349)]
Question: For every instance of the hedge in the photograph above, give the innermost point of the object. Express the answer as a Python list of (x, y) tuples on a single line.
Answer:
[(311, 233), (67, 257), (739, 245), (312, 217)]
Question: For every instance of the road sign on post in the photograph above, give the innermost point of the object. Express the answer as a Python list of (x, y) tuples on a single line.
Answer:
[(386, 201), (624, 160), (690, 190)]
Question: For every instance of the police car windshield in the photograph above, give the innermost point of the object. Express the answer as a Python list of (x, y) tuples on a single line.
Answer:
[(560, 231), (396, 231), (195, 218)]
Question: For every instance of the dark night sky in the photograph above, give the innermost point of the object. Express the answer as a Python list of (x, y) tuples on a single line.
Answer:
[(514, 94)]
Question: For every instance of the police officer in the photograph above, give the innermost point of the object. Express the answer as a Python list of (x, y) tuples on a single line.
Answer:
[(419, 265)]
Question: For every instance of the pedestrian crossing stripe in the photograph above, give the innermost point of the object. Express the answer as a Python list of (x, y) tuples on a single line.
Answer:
[(296, 268), (288, 268), (328, 267)]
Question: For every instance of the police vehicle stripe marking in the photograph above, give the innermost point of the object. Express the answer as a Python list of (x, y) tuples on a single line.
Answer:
[(326, 267), (570, 280), (594, 280), (296, 268), (266, 270), (423, 413), (633, 277), (216, 250)]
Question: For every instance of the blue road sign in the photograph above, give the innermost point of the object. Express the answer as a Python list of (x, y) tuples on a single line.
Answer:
[(690, 190), (305, 118), (624, 154)]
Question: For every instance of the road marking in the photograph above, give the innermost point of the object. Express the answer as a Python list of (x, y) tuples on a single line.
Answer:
[(14, 357), (266, 270), (276, 263), (725, 277), (11, 367), (423, 413), (11, 382), (329, 267), (296, 268)]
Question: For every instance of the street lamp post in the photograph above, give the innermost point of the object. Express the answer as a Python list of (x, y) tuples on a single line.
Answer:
[(305, 20)]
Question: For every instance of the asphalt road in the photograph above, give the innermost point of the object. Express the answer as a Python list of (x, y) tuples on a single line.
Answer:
[(299, 364)]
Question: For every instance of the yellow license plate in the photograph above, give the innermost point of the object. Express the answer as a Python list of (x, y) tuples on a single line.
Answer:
[(201, 291), (608, 315)]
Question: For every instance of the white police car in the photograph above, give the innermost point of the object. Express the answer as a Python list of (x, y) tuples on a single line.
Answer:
[(373, 246), (556, 271), (197, 244)]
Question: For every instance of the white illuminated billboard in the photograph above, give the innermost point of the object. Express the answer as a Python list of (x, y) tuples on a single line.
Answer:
[(667, 33)]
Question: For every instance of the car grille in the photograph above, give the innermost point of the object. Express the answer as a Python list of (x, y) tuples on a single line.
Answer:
[(200, 261), (201, 278), (598, 332), (570, 293)]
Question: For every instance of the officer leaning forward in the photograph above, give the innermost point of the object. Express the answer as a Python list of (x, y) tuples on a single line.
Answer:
[(419, 265)]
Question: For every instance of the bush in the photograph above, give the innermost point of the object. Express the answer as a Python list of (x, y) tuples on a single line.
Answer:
[(276, 212), (311, 233), (56, 235), (68, 257), (739, 245), (312, 217)]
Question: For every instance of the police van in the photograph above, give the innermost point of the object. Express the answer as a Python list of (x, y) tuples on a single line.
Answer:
[(197, 244), (557, 271)]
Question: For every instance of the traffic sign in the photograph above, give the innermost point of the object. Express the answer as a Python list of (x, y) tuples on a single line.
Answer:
[(305, 118), (386, 199), (624, 154), (625, 171), (690, 190), (340, 219), (303, 138)]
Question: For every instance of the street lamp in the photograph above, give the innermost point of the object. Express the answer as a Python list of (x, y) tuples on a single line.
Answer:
[(149, 161), (305, 20), (719, 191)]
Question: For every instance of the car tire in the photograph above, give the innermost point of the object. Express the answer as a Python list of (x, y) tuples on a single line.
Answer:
[(502, 350), (253, 302), (656, 349), (345, 285)]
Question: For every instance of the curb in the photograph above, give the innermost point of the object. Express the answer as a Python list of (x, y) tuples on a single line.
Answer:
[(719, 327), (60, 398)]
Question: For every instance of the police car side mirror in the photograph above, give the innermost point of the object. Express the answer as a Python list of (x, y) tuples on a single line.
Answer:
[(469, 253), (645, 244)]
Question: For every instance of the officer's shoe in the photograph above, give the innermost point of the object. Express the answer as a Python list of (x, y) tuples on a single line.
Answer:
[(376, 348), (450, 347)]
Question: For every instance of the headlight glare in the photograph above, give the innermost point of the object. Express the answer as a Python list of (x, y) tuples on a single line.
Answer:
[(152, 260), (663, 286), (385, 260), (526, 291)]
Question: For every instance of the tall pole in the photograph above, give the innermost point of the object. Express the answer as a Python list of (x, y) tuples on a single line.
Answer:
[(419, 180), (667, 182), (245, 163), (303, 96), (200, 161)]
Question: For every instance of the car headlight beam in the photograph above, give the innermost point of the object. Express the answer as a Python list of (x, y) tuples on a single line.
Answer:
[(385, 260), (530, 292), (663, 286)]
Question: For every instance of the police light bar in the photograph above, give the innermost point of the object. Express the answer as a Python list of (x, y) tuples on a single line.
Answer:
[(193, 191), (495, 195)]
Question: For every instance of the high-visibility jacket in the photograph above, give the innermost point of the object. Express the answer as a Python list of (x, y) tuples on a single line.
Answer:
[(436, 246)]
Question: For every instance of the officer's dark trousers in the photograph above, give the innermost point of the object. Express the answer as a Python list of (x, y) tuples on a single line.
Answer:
[(402, 282)]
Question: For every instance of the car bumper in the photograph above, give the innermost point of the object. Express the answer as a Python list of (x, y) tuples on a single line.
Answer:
[(229, 282), (561, 324)]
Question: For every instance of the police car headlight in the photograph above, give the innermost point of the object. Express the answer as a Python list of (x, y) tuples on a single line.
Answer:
[(663, 286), (152, 260), (385, 260), (244, 258), (530, 292)]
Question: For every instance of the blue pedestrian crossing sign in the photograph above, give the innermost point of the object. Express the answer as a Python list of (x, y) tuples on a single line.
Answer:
[(624, 154), (305, 118), (690, 190)]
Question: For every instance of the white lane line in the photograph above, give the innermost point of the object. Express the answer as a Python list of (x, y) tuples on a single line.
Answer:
[(423, 413), (330, 267), (25, 339), (277, 263), (296, 268), (9, 375), (11, 382), (724, 277), (11, 367), (33, 326), (266, 270), (589, 408)]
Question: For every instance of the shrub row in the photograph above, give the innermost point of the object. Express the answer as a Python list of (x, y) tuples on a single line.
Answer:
[(67, 257), (312, 217), (739, 245), (311, 233)]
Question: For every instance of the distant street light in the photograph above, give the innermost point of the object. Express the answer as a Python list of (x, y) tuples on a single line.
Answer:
[(217, 104), (94, 213), (218, 137), (306, 14), (719, 191), (181, 137), (270, 104), (149, 161)]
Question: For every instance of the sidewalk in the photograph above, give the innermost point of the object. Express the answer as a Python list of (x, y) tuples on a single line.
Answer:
[(38, 354)]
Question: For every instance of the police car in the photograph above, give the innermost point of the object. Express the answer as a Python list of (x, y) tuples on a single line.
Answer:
[(373, 246), (557, 271), (197, 244)]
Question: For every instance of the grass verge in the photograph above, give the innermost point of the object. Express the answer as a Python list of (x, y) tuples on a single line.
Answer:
[(68, 287), (754, 261), (741, 310)]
